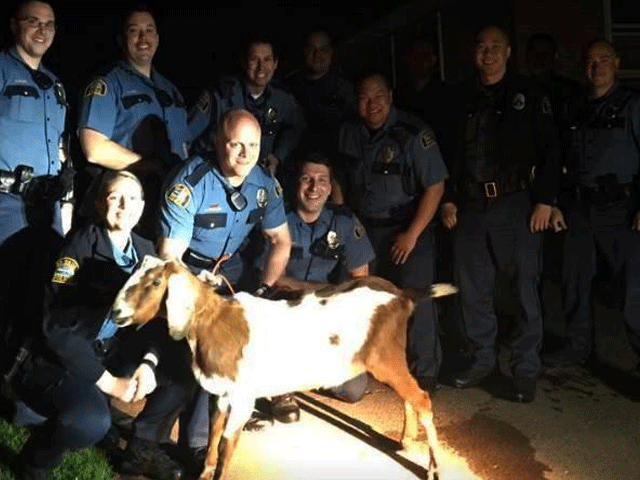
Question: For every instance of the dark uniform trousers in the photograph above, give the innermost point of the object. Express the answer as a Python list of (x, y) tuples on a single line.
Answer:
[(423, 346), (491, 235), (76, 413), (604, 227)]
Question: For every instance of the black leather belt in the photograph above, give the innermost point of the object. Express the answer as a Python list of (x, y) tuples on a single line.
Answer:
[(198, 260), (492, 189), (383, 222), (16, 181), (609, 193)]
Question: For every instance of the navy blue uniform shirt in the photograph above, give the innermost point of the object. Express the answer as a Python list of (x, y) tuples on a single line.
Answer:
[(347, 245), (605, 137), (388, 171)]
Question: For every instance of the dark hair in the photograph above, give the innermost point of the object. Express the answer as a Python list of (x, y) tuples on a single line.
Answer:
[(542, 38), (126, 15), (257, 39), (311, 150), (308, 35), (369, 74)]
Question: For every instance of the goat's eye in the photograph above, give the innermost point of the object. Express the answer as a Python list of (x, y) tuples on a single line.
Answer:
[(156, 282)]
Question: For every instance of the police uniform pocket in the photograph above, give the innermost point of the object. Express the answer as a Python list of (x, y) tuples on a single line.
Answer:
[(21, 103), (256, 215), (207, 226)]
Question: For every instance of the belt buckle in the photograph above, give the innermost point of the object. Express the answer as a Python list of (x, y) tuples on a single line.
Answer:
[(491, 190)]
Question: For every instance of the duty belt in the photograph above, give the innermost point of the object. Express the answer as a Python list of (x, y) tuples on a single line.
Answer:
[(492, 189), (198, 260), (602, 194), (16, 181)]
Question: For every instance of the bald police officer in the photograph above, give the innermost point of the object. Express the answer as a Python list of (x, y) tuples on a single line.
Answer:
[(208, 210), (133, 117), (599, 205), (277, 111), (504, 179), (394, 180)]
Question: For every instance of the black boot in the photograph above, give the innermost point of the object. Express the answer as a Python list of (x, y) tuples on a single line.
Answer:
[(285, 409), (144, 457)]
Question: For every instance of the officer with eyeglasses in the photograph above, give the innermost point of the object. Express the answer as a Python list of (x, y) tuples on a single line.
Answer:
[(133, 117), (33, 108), (209, 208)]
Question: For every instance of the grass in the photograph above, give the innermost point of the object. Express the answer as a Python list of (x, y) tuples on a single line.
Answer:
[(85, 464)]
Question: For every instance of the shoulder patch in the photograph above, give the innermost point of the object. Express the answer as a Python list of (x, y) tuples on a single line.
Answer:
[(358, 228), (97, 88), (427, 139), (66, 268), (179, 194), (204, 101), (519, 101)]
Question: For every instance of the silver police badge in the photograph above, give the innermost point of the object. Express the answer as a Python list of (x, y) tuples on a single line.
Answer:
[(261, 197), (518, 101), (332, 239), (387, 154), (271, 114)]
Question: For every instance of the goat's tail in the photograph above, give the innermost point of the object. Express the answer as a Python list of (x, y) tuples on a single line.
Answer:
[(433, 291)]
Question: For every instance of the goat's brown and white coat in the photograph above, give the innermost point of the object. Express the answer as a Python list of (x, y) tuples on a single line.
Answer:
[(245, 347)]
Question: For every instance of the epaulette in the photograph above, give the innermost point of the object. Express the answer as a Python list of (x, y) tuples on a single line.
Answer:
[(341, 210), (411, 129), (198, 173), (618, 102)]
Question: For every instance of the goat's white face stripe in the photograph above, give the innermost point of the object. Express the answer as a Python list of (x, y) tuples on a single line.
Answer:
[(307, 345), (120, 304)]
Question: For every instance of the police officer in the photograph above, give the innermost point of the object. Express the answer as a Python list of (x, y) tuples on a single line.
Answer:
[(325, 95), (82, 357), (208, 210), (276, 109), (394, 181), (329, 244), (33, 107), (133, 117), (600, 200), (504, 179)]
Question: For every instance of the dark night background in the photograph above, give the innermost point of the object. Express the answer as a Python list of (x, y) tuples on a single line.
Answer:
[(198, 40)]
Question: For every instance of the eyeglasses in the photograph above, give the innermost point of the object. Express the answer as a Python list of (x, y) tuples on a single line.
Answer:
[(33, 22)]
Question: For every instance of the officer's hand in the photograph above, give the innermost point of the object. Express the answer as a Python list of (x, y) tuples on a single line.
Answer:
[(402, 247), (146, 380), (449, 214), (557, 220), (272, 163), (539, 221), (121, 388), (210, 279)]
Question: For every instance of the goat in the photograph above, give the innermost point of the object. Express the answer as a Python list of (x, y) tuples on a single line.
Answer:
[(242, 346)]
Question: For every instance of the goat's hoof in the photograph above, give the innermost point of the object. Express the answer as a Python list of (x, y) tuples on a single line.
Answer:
[(258, 422)]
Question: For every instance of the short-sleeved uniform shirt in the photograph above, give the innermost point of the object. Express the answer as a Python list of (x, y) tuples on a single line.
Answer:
[(277, 111), (135, 111), (33, 107), (32, 116), (343, 242), (388, 171), (199, 211)]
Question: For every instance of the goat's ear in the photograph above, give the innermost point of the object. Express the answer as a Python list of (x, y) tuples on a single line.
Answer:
[(181, 301)]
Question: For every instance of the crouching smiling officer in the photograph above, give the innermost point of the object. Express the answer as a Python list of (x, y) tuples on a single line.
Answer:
[(328, 244)]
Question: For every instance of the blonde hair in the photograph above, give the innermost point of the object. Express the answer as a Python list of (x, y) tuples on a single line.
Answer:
[(112, 176)]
